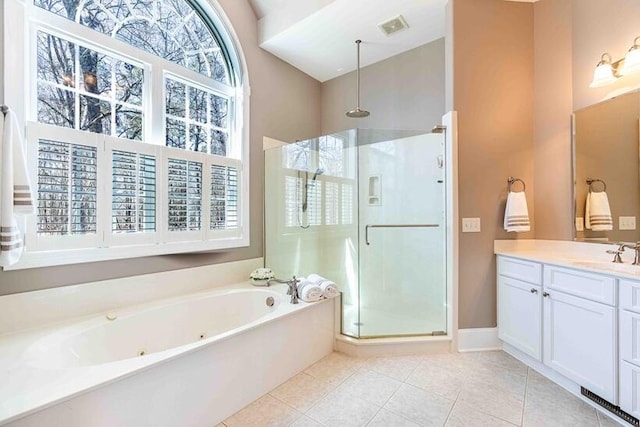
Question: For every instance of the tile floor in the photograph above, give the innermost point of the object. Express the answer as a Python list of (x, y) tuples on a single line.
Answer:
[(469, 389)]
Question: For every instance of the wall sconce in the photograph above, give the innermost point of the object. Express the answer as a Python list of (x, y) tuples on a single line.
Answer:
[(608, 71)]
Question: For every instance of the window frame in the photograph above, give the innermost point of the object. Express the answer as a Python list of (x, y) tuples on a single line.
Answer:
[(22, 21)]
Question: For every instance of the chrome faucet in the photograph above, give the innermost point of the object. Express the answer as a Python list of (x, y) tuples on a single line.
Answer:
[(293, 287), (616, 253), (636, 248)]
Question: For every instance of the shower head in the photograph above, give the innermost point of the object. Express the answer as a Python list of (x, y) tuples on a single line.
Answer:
[(319, 171), (358, 113)]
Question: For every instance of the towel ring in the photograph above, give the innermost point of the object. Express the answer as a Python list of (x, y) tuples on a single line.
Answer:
[(513, 180), (591, 181)]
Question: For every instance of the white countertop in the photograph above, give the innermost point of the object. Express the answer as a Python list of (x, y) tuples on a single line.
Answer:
[(584, 256)]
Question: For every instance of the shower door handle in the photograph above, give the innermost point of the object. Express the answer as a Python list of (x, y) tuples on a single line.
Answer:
[(368, 226)]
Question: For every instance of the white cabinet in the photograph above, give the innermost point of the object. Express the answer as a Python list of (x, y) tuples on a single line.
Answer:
[(563, 317), (519, 315), (630, 347), (580, 341), (630, 388)]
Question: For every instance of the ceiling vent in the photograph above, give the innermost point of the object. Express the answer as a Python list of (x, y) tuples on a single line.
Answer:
[(393, 25)]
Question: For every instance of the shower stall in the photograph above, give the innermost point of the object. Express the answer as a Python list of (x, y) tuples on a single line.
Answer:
[(368, 210)]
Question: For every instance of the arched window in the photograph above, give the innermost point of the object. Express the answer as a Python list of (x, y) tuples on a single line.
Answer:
[(134, 127)]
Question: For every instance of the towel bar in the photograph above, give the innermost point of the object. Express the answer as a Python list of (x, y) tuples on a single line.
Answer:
[(591, 181), (511, 180)]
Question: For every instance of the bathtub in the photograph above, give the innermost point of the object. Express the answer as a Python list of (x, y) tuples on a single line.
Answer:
[(189, 360)]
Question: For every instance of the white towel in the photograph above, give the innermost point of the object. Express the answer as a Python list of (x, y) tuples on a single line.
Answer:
[(516, 214), (329, 288), (597, 212), (308, 291), (16, 197)]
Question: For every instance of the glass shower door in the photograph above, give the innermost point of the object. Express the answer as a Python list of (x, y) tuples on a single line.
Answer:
[(402, 245)]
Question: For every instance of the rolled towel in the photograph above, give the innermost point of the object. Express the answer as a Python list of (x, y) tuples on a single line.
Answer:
[(329, 288), (309, 291), (516, 215), (598, 212)]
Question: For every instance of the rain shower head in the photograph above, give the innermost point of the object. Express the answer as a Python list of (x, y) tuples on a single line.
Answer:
[(358, 113)]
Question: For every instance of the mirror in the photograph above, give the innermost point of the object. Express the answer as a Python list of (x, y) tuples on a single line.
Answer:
[(605, 148)]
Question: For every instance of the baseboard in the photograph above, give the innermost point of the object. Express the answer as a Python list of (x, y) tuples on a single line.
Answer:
[(478, 339)]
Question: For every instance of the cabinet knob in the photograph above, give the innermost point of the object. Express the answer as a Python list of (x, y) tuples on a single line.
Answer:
[(545, 294), (534, 291)]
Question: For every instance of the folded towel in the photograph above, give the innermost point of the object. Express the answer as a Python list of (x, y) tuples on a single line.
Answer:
[(15, 190), (516, 214), (308, 291), (329, 288), (597, 212)]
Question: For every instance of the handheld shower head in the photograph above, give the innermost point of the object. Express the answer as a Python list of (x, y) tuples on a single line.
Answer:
[(319, 172)]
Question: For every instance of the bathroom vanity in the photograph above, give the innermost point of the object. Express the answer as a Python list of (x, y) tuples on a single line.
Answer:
[(566, 310)]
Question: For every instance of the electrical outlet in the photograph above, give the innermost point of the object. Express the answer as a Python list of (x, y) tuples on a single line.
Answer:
[(470, 225), (579, 223), (627, 223)]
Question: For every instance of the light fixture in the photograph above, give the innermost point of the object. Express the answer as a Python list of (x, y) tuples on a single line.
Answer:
[(604, 73), (632, 59), (608, 71), (358, 113)]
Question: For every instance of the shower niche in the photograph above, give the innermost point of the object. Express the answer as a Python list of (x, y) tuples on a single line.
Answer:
[(367, 209)]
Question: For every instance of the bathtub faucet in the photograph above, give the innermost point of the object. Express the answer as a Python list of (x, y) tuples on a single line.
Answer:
[(293, 287)]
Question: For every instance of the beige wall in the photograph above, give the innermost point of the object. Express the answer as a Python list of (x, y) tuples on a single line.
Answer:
[(285, 104), (552, 43), (402, 92), (493, 93)]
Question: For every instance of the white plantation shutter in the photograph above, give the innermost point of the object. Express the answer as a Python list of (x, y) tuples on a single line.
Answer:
[(184, 189), (347, 204), (332, 201), (133, 201), (314, 202), (224, 198)]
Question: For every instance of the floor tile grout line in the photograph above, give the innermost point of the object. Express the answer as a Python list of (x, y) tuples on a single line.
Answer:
[(524, 400), (455, 401)]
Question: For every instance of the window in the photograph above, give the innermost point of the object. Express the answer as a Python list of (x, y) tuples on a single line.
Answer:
[(135, 139), (319, 182)]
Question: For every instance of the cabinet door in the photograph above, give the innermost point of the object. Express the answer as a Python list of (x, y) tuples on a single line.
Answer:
[(520, 315), (630, 336), (580, 342), (630, 389)]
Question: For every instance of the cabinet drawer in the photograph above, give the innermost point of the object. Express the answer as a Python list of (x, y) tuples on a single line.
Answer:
[(630, 295), (630, 389), (519, 269), (630, 337), (594, 287)]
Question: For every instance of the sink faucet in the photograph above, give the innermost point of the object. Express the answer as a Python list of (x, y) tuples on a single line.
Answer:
[(293, 287), (616, 253), (636, 248)]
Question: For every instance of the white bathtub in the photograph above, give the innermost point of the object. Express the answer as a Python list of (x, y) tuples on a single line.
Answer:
[(191, 360)]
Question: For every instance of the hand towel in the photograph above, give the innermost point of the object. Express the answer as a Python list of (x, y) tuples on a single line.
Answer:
[(597, 212), (516, 214), (16, 197), (329, 288), (308, 291)]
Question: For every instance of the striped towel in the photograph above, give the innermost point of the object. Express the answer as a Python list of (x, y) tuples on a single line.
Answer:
[(598, 212), (516, 214), (16, 197)]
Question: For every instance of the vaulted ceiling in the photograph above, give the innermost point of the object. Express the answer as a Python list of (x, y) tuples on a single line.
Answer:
[(318, 36)]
